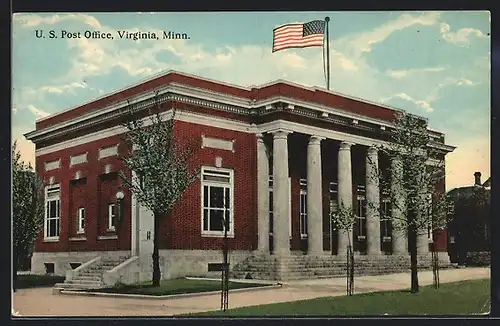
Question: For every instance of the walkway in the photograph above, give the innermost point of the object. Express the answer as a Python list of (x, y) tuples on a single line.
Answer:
[(41, 301)]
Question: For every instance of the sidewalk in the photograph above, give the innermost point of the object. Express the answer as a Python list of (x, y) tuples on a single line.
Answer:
[(41, 301)]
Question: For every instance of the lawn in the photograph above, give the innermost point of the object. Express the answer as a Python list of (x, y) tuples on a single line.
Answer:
[(459, 298), (176, 286), (33, 281)]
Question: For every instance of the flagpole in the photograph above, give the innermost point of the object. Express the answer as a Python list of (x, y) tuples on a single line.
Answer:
[(327, 19)]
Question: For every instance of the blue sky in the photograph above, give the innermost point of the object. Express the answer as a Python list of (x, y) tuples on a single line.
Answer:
[(434, 64)]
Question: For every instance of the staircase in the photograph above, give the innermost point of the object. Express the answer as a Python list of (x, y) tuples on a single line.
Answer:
[(294, 267), (92, 277)]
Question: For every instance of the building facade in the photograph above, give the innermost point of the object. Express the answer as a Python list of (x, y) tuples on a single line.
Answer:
[(285, 155)]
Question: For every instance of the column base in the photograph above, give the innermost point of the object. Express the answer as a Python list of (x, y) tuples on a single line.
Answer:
[(287, 253)]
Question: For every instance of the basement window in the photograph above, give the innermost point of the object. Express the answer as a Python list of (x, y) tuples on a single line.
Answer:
[(49, 268), (75, 265)]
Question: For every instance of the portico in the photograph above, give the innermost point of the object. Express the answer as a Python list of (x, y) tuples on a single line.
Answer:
[(282, 148)]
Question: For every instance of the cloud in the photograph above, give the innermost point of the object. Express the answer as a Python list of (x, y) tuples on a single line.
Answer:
[(448, 81), (460, 36), (365, 41), (37, 112), (30, 20), (403, 73), (63, 88), (424, 105)]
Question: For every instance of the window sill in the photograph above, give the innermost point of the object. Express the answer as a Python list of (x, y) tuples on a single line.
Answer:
[(303, 236), (361, 237), (386, 239), (78, 239), (107, 237), (111, 230), (80, 232), (216, 235), (51, 240)]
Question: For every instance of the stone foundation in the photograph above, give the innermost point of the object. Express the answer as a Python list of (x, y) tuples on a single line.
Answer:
[(62, 260), (243, 264), (297, 266)]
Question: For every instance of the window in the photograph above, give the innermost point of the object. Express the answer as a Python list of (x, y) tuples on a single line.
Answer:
[(81, 220), (334, 187), (386, 223), (271, 207), (361, 213), (52, 212), (217, 199), (303, 208), (75, 265), (49, 268), (111, 217)]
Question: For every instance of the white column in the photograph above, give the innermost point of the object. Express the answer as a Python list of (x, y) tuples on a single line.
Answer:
[(372, 203), (263, 195), (399, 234), (135, 235), (345, 191), (422, 242), (280, 193), (314, 197)]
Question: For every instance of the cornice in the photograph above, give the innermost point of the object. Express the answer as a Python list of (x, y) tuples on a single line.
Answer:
[(220, 102)]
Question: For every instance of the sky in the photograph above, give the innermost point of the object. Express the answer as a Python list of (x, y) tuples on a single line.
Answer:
[(434, 64)]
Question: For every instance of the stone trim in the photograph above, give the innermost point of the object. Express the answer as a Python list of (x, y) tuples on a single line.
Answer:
[(107, 237), (53, 165), (217, 143), (78, 159), (78, 239)]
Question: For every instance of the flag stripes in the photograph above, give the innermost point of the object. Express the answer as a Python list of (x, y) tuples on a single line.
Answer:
[(298, 35)]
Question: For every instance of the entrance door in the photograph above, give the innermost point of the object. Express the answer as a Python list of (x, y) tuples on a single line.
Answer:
[(146, 229)]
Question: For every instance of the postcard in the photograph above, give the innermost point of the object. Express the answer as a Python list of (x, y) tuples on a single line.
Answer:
[(234, 163)]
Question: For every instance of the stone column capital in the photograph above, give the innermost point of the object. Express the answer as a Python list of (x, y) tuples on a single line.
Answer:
[(345, 146), (280, 133), (372, 150), (315, 140), (260, 136)]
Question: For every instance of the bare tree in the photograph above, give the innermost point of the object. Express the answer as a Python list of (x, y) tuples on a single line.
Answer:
[(343, 220), (418, 206), (161, 167), (27, 208)]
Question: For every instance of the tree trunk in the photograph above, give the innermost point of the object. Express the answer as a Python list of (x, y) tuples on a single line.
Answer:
[(156, 256), (412, 234)]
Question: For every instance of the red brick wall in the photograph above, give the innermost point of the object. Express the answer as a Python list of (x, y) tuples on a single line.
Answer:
[(183, 230), (79, 196), (441, 236), (87, 195)]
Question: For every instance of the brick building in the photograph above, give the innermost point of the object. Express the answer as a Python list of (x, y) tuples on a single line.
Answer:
[(283, 153)]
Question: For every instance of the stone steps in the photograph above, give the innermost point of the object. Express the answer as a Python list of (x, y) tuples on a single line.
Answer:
[(91, 278), (77, 286), (303, 266)]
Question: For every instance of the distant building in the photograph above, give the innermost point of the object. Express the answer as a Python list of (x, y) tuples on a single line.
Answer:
[(469, 228), (284, 153)]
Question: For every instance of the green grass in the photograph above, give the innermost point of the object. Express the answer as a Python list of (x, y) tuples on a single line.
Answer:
[(34, 281), (459, 298), (176, 286)]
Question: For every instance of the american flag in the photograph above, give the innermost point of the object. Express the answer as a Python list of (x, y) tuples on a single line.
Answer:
[(299, 35)]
